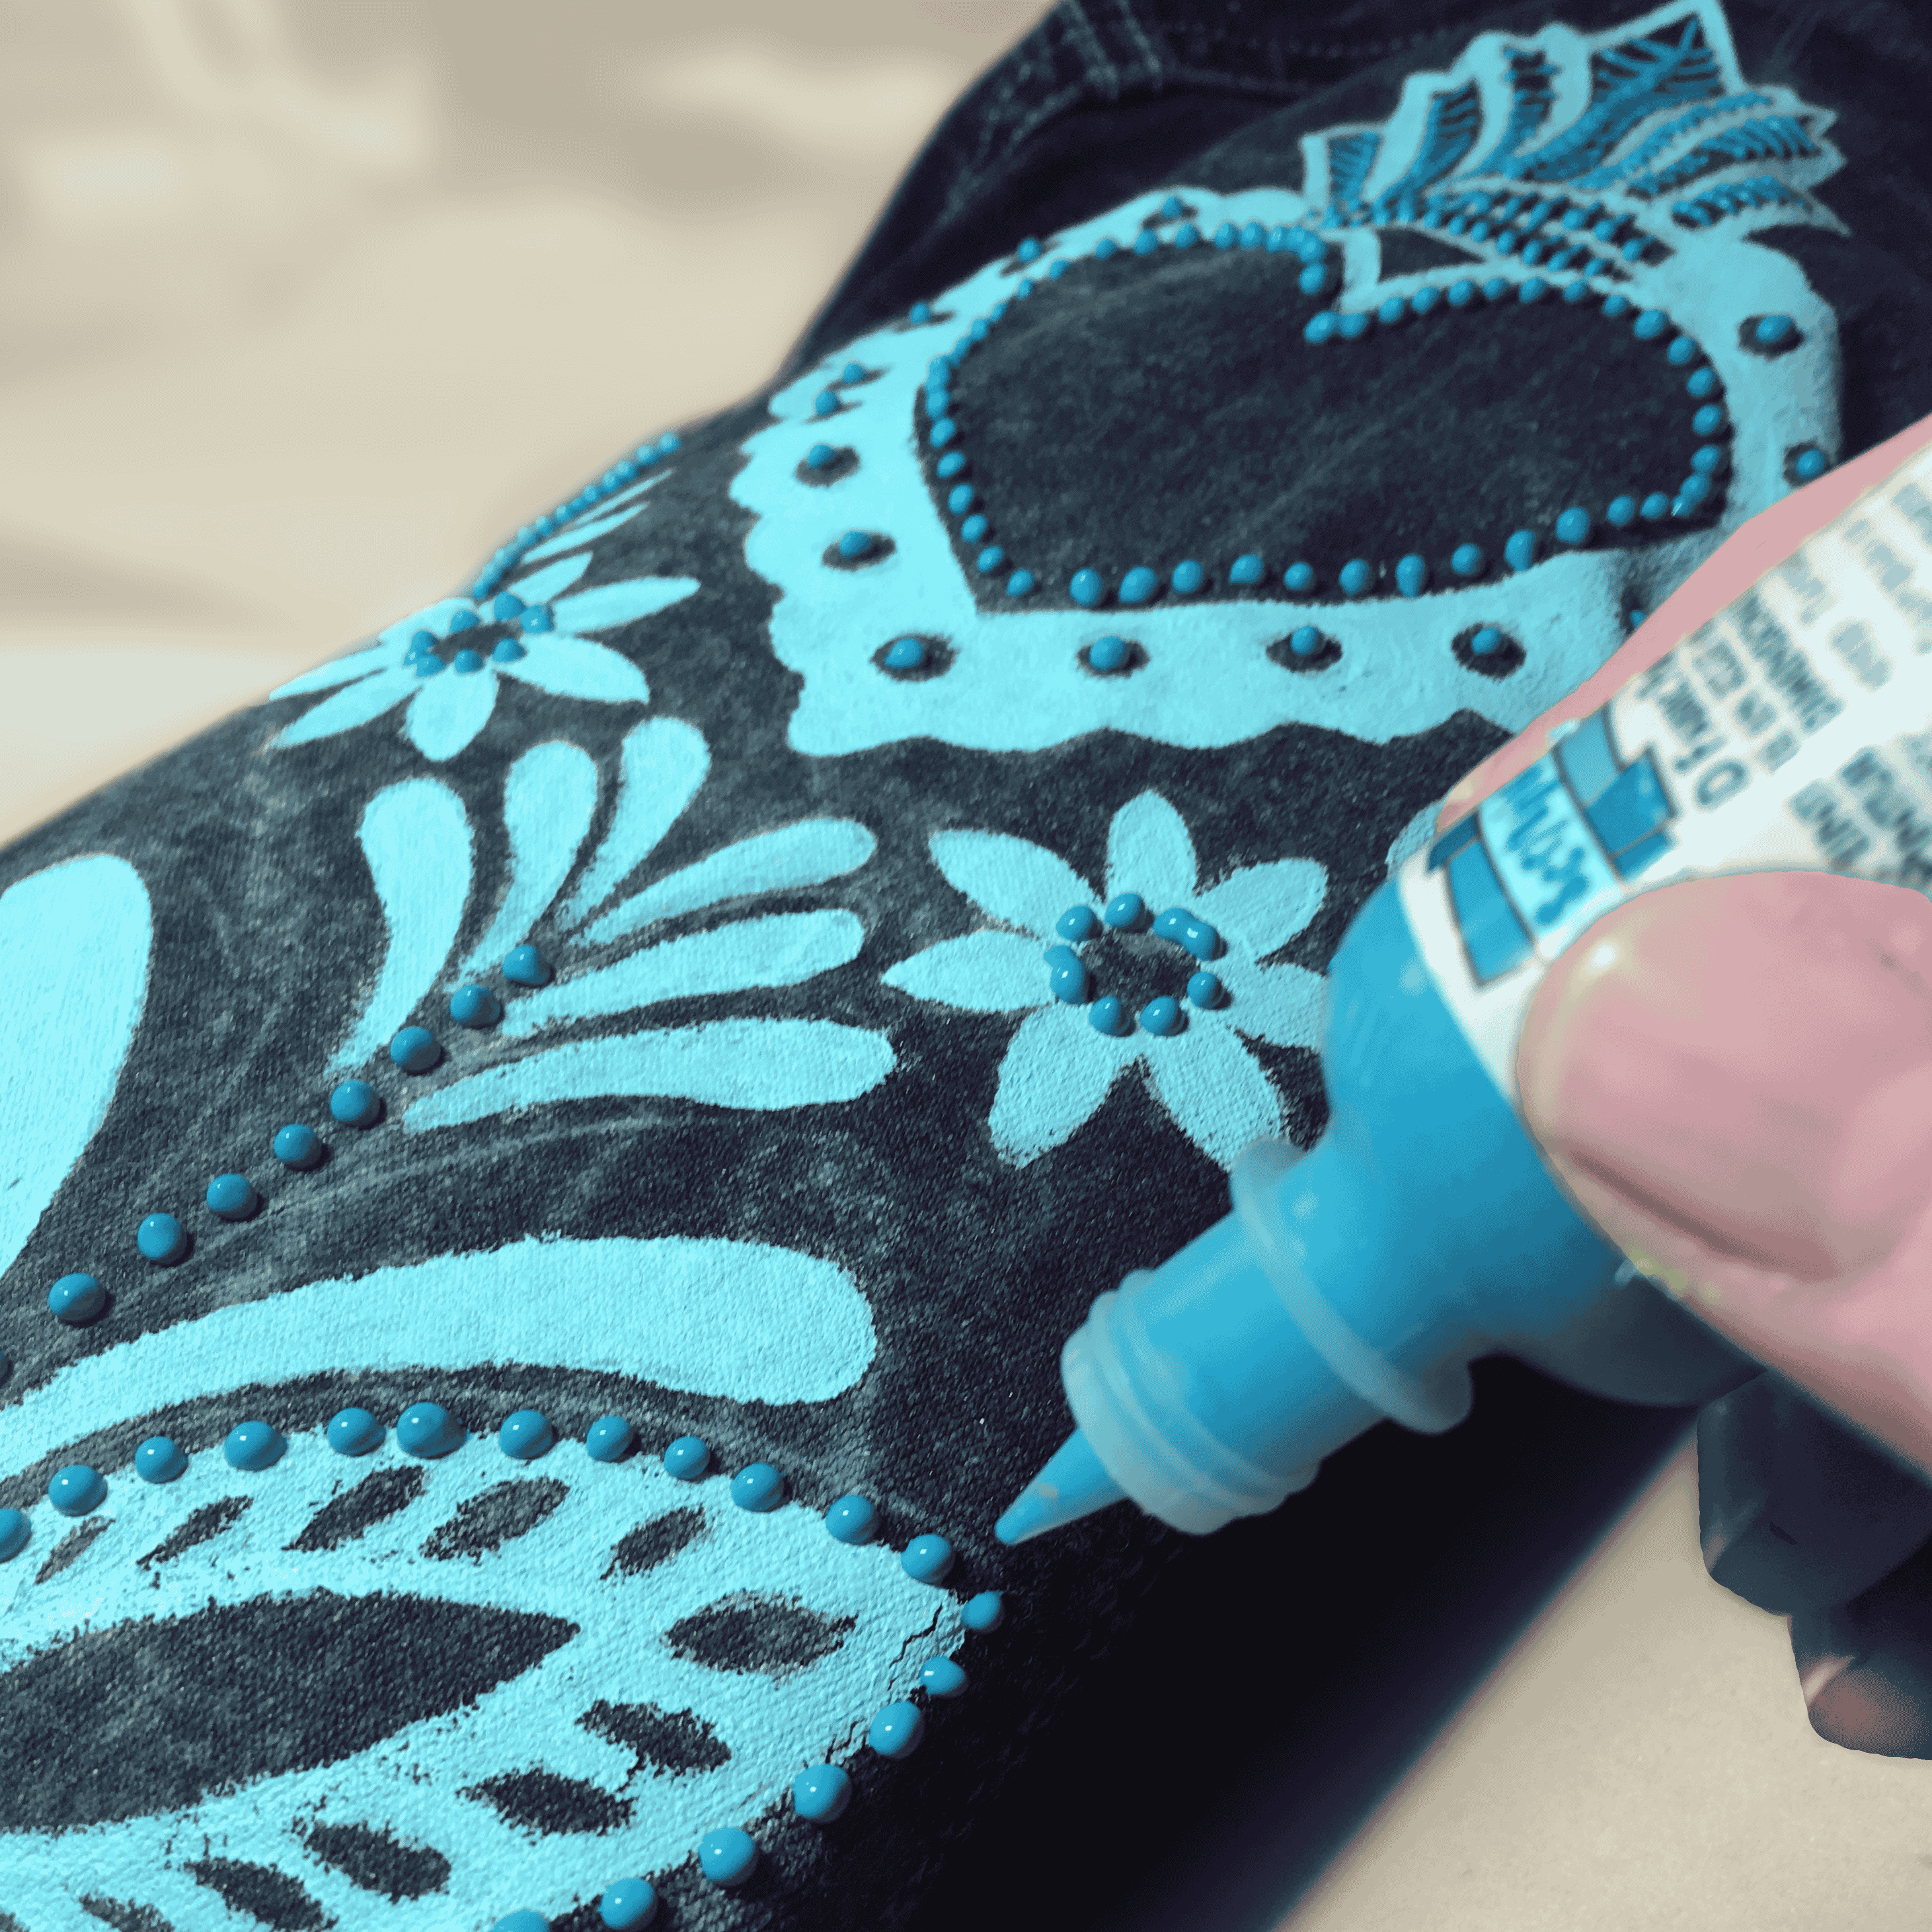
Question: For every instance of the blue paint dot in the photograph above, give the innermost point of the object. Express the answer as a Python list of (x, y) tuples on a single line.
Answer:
[(1425, 300), (160, 1459), (631, 1904), (1702, 384), (474, 1006), (232, 1197), (857, 544), (1162, 1017), (466, 660), (464, 620), (160, 1239), (852, 372), (1252, 235), (1029, 249), (728, 1857), (536, 619), (1298, 579), (1635, 617), (757, 1487), (1461, 293), (960, 500), (14, 1533), (1656, 505), (1682, 353), (1139, 585), (1319, 328), (1225, 236), (505, 605), (1577, 291), (1246, 569), (1809, 464), (1534, 290), (1171, 923), (1615, 305), (1071, 984), (1197, 937), (1185, 236), (1520, 553), (1573, 526), (253, 1445), (941, 1677), (522, 1922), (415, 1050), (896, 1732), (669, 442), (525, 966), (951, 463), (852, 1519), (1304, 641), (1353, 326), (526, 1434), (1488, 639), (1123, 910), (1357, 577), (353, 1432), (1497, 287), (1086, 588), (819, 456), (1204, 989), (984, 1613), (942, 432), (1394, 310), (927, 1559), (1692, 491), (920, 312), (1467, 560), (420, 643), (1773, 329), (1105, 247), (1650, 325), (76, 1489), (1107, 1014), (1622, 511), (1172, 208), (608, 1439), (821, 1793), (1633, 250), (1412, 574), (1188, 578), (825, 403), (1076, 923), (507, 650), (1711, 458), (974, 529), (904, 654), (990, 559), (76, 1298), (688, 1458), (427, 1429), (1146, 242), (1708, 420)]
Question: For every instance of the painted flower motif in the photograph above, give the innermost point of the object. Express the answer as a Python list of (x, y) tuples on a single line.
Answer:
[(444, 663), (1061, 1065), (416, 837)]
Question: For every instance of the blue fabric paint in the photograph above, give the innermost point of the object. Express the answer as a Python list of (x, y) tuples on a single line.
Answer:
[(475, 1006), (927, 1559), (525, 966), (415, 1050), (160, 1239), (628, 1906), (941, 1677), (77, 1489), (985, 1613), (298, 1147), (415, 838), (428, 1430), (353, 1432), (355, 1104), (253, 1446), (757, 1487), (525, 1434), (160, 1459), (232, 1197), (897, 1731), (727, 1858), (1107, 654), (821, 1794), (76, 1299), (853, 1519), (688, 1458), (15, 1533), (609, 1439)]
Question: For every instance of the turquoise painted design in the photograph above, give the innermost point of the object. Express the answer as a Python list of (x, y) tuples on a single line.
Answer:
[(447, 704), (68, 1027), (1059, 1068), (548, 799), (659, 770), (415, 837), (1556, 108)]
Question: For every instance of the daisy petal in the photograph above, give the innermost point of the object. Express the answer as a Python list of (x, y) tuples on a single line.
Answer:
[(1264, 907), (1219, 1096), (349, 708), (540, 586), (807, 853), (983, 972), (1011, 878), (662, 765), (416, 836), (448, 711), (567, 666), (1054, 1078), (610, 605), (1149, 852), (337, 671), (1280, 1004), (779, 950), (547, 801), (766, 1064)]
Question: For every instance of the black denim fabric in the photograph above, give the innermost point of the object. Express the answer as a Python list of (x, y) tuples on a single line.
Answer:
[(1130, 412)]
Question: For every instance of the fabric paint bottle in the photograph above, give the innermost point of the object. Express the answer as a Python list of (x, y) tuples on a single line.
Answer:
[(1791, 730)]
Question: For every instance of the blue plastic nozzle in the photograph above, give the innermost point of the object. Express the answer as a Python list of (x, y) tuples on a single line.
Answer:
[(1074, 1483)]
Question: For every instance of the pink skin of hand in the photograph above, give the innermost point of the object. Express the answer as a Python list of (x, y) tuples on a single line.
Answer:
[(1733, 1078)]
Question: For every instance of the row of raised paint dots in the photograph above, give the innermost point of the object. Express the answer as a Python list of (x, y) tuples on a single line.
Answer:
[(821, 1794), (77, 1299)]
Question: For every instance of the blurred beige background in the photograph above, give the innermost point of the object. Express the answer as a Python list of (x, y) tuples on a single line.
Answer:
[(303, 308)]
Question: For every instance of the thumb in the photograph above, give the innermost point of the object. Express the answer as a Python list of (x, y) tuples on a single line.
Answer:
[(1733, 1077)]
